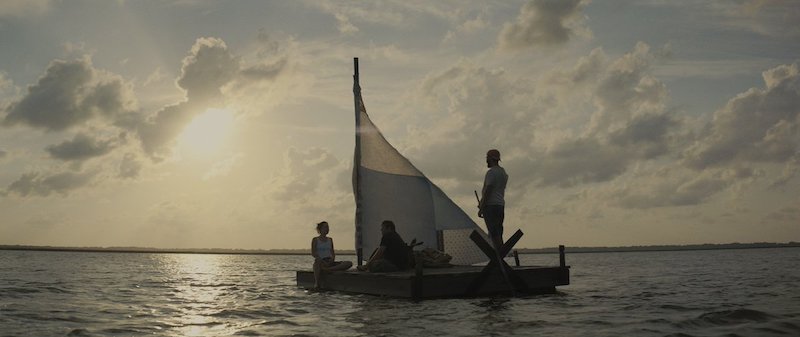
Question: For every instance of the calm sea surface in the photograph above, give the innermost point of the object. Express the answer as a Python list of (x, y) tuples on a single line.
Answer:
[(750, 292)]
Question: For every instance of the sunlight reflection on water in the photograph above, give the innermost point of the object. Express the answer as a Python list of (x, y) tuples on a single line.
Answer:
[(201, 295), (641, 294)]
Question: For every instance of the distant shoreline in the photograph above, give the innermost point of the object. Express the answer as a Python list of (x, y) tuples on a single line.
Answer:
[(554, 250), (661, 248)]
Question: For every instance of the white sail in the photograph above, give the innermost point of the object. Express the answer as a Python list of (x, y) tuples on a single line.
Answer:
[(388, 187)]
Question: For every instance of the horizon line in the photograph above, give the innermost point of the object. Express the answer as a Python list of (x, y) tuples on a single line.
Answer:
[(304, 251)]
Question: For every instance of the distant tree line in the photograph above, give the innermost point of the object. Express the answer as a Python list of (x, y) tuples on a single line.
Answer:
[(705, 246), (553, 250)]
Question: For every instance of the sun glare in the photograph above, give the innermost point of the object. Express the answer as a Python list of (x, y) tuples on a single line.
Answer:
[(207, 132)]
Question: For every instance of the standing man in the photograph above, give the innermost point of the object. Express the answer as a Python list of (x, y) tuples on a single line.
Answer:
[(492, 204)]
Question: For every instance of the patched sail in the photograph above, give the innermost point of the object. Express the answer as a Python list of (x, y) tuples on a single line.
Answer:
[(387, 186)]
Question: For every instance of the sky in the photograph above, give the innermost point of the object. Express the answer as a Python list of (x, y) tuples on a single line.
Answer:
[(208, 124)]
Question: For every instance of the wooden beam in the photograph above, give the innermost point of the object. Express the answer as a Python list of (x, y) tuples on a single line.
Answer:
[(515, 282)]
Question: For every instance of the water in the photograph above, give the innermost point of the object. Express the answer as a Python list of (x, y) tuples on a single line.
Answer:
[(750, 292)]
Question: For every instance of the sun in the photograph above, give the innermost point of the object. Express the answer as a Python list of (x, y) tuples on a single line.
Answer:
[(207, 132)]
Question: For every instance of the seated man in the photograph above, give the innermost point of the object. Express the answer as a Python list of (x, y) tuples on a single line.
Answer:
[(392, 255)]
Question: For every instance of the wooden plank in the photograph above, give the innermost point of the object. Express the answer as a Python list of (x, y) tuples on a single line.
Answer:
[(437, 282), (515, 282)]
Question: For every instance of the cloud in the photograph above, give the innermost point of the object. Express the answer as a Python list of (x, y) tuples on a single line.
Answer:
[(787, 214), (224, 167), (36, 184), (208, 67), (627, 88), (629, 123), (468, 27), (22, 8), (303, 173), (668, 189), (544, 23), (344, 24), (790, 170), (154, 77), (583, 160), (588, 67), (71, 93), (467, 110), (579, 161), (312, 185), (396, 14), (210, 75), (3, 153), (647, 135), (264, 72), (130, 166), (80, 148), (767, 17), (541, 126), (760, 125), (5, 82), (157, 133)]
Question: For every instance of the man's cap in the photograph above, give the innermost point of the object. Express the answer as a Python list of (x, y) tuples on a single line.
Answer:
[(493, 154)]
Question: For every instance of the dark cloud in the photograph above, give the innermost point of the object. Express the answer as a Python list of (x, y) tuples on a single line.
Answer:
[(582, 161), (790, 170), (755, 127), (666, 192), (543, 23), (579, 161), (69, 94), (630, 122), (208, 67), (472, 109), (130, 166), (599, 159), (627, 88), (647, 135), (157, 133), (759, 125), (3, 153), (588, 67), (485, 109), (80, 148), (36, 184)]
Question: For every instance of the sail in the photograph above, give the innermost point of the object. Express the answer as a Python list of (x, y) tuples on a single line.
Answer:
[(387, 186)]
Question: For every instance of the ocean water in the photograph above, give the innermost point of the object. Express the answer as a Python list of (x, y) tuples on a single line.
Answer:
[(748, 292)]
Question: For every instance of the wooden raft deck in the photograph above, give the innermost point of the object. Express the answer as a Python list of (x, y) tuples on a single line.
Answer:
[(438, 282)]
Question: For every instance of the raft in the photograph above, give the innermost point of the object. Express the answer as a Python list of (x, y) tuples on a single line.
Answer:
[(429, 283)]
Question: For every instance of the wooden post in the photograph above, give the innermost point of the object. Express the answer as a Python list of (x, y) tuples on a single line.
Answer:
[(514, 281), (561, 260), (516, 257), (357, 163)]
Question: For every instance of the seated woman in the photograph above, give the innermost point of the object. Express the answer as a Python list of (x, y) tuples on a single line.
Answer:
[(324, 254)]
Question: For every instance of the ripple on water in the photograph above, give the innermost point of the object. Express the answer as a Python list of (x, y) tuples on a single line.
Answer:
[(675, 307), (237, 313), (256, 296), (727, 317)]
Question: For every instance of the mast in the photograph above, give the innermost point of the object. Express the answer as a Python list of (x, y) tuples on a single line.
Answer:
[(357, 162)]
